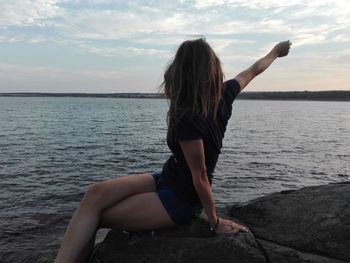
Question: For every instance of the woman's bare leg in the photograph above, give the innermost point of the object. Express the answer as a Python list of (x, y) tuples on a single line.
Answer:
[(138, 212), (85, 221), (86, 252)]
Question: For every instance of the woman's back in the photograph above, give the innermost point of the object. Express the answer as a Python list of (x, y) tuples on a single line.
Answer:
[(176, 174)]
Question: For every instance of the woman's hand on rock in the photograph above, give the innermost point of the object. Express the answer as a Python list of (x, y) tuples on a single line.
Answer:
[(228, 227)]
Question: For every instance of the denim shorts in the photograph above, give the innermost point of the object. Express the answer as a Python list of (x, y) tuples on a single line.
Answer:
[(179, 210)]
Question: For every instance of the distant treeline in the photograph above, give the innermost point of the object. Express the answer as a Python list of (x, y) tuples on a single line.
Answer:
[(335, 95)]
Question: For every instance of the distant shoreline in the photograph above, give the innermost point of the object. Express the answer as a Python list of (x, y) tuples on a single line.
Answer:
[(332, 95)]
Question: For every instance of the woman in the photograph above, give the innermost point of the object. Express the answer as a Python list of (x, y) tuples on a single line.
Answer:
[(200, 106)]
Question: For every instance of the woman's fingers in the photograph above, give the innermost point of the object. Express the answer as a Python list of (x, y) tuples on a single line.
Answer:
[(237, 229), (234, 231), (230, 227), (240, 227)]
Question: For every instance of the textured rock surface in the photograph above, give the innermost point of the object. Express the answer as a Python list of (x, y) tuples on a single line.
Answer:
[(189, 244), (310, 225), (279, 254), (313, 219)]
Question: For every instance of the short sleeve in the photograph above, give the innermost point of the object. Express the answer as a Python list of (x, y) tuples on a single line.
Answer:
[(187, 130), (232, 89)]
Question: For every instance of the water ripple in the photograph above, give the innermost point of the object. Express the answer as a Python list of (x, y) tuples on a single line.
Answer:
[(52, 149)]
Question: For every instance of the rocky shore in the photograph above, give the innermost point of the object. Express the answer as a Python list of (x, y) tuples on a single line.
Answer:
[(309, 225)]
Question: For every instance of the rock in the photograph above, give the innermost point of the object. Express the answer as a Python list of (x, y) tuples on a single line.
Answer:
[(279, 254), (142, 248), (314, 220), (190, 244), (310, 225)]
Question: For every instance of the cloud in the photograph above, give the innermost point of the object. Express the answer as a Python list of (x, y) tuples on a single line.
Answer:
[(28, 13), (338, 60), (125, 51), (119, 24), (52, 72), (220, 45), (37, 39), (157, 22), (239, 30), (56, 72), (16, 78), (342, 37), (4, 39), (307, 39)]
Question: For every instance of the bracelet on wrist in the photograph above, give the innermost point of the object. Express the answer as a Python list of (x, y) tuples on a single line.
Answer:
[(212, 228)]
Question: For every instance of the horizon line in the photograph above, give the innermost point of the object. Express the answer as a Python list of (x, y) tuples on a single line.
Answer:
[(105, 93)]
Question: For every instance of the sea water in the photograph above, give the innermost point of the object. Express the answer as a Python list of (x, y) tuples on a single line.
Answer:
[(51, 149)]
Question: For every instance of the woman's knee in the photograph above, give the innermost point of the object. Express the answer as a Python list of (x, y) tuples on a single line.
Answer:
[(94, 194)]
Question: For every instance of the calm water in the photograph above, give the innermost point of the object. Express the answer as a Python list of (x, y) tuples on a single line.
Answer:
[(51, 149)]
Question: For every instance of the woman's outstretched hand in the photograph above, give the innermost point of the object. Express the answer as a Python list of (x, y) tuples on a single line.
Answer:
[(229, 227), (282, 48)]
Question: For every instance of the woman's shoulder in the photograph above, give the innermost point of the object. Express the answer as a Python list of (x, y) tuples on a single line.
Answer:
[(231, 90)]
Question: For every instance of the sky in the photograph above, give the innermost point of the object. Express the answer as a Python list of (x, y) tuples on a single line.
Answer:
[(111, 46)]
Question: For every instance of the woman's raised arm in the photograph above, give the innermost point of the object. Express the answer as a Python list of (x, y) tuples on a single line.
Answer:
[(279, 50)]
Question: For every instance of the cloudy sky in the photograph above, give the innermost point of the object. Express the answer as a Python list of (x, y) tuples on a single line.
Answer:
[(123, 46)]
